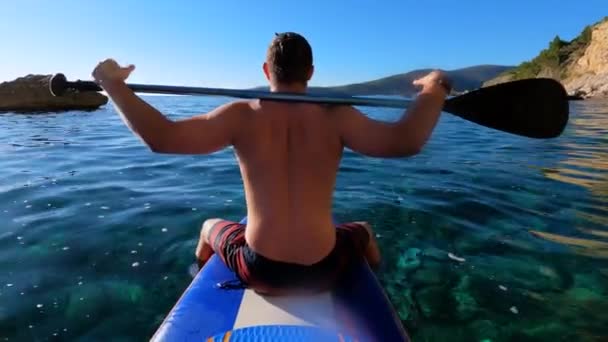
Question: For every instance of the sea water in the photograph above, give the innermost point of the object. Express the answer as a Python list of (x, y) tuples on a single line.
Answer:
[(485, 235)]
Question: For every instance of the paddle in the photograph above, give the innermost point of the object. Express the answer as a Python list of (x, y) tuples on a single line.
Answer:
[(536, 108)]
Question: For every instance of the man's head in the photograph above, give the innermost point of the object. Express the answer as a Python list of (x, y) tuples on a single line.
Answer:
[(288, 60)]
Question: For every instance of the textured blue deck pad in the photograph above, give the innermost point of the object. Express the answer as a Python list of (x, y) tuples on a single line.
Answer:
[(282, 333), (204, 309)]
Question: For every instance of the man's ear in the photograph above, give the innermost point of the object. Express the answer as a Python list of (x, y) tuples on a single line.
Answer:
[(266, 71), (310, 72)]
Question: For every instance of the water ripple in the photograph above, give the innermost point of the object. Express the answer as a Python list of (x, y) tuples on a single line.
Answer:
[(83, 201)]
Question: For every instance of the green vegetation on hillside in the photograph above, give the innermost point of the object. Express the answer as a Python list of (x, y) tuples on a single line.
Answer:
[(554, 59)]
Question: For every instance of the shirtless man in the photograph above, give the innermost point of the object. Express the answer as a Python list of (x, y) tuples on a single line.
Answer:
[(288, 154)]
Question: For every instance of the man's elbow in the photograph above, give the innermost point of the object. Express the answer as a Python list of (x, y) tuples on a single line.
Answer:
[(155, 148), (159, 143), (156, 145), (408, 150)]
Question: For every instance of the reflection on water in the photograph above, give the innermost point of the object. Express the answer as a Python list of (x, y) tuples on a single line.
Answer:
[(586, 165), (98, 233), (587, 247), (586, 162)]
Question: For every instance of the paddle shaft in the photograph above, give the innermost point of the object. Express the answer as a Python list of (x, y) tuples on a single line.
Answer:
[(536, 108), (251, 94)]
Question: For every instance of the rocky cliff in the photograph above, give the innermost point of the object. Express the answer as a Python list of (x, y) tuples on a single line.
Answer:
[(31, 94), (580, 64)]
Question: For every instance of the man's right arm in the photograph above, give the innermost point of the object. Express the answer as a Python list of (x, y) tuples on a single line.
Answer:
[(405, 137)]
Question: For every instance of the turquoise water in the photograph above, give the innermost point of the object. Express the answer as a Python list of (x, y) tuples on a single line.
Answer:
[(98, 233)]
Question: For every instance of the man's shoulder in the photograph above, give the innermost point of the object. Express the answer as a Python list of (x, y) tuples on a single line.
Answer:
[(235, 109), (342, 111), (240, 105)]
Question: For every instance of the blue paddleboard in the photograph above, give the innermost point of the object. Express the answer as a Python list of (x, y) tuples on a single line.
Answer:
[(212, 310)]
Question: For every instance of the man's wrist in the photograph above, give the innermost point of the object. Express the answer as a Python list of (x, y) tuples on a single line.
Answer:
[(435, 88), (446, 84), (109, 85)]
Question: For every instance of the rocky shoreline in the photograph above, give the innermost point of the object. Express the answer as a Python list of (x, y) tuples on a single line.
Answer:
[(30, 94)]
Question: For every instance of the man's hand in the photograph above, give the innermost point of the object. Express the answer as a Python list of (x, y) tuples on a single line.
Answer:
[(436, 79), (405, 137), (109, 71)]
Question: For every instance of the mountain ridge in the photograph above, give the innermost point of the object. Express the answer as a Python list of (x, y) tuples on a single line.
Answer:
[(464, 79)]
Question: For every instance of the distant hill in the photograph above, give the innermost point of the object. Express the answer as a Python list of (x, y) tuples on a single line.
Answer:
[(580, 64), (463, 79), (401, 84)]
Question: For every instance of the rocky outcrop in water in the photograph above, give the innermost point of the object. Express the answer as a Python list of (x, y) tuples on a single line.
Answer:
[(31, 94), (580, 64)]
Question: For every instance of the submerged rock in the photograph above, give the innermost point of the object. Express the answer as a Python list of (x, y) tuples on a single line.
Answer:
[(592, 281), (434, 302), (31, 94), (443, 332), (551, 331), (519, 272), (410, 260), (432, 273), (404, 303), (466, 305), (485, 330), (435, 253), (92, 299)]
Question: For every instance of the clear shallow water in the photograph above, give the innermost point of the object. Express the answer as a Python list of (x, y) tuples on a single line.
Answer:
[(97, 232)]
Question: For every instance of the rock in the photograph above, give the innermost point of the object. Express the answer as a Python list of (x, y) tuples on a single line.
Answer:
[(549, 73), (519, 272), (410, 260), (485, 330), (551, 331), (595, 57), (442, 332), (466, 305), (31, 94), (404, 304), (500, 79), (93, 299), (588, 74), (432, 273), (434, 302), (587, 286), (534, 295), (84, 300), (582, 66), (435, 253), (588, 85), (582, 294)]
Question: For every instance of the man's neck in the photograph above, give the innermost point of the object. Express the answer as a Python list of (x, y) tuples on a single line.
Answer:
[(288, 88)]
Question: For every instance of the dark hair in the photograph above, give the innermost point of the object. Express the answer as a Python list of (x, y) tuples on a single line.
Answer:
[(289, 57)]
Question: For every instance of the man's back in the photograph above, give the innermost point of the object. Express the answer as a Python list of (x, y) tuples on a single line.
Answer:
[(289, 156)]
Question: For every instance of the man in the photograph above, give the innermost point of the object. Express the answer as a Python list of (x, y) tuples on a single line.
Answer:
[(288, 154)]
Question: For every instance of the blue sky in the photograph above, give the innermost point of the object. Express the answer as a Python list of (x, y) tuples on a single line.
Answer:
[(223, 43)]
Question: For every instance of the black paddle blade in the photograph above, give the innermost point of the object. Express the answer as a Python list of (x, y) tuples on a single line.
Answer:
[(536, 108)]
